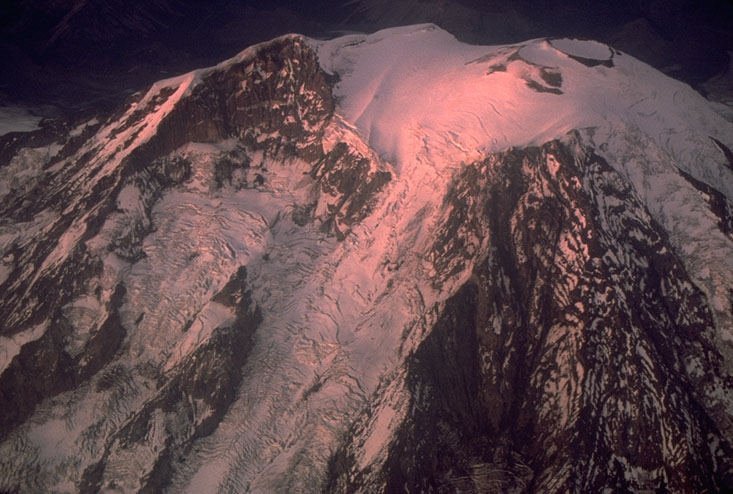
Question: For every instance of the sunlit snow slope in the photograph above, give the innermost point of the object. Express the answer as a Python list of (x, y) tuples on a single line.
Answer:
[(377, 263)]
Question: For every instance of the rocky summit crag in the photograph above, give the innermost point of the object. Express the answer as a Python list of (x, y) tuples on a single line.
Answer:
[(380, 263)]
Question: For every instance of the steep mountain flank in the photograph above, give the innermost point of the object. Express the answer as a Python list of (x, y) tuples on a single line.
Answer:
[(379, 263)]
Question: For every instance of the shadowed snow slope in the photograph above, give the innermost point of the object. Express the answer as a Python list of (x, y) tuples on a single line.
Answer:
[(375, 263)]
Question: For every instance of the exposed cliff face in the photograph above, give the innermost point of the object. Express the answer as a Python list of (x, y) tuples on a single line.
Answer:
[(551, 368), (289, 272)]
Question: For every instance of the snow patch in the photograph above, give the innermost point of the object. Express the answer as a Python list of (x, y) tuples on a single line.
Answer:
[(17, 119), (10, 346), (379, 435)]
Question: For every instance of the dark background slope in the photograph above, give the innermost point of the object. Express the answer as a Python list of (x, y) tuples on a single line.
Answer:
[(72, 53)]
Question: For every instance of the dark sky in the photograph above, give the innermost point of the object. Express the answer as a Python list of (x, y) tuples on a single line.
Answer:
[(75, 52)]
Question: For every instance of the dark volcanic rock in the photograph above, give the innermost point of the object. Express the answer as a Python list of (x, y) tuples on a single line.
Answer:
[(353, 180), (564, 353), (719, 204)]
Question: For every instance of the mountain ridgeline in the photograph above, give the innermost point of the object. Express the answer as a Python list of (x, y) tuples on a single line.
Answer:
[(326, 266)]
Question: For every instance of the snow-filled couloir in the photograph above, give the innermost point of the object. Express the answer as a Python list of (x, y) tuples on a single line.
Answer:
[(369, 264)]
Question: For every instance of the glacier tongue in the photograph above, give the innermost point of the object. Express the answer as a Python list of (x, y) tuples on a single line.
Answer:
[(339, 318), (372, 263)]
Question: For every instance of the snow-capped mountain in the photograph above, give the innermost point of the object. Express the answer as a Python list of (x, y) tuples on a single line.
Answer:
[(380, 263)]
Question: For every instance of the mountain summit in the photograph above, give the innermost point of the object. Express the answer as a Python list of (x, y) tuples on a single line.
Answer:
[(379, 263)]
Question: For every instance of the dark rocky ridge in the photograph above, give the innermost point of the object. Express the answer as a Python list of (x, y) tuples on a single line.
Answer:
[(532, 379)]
